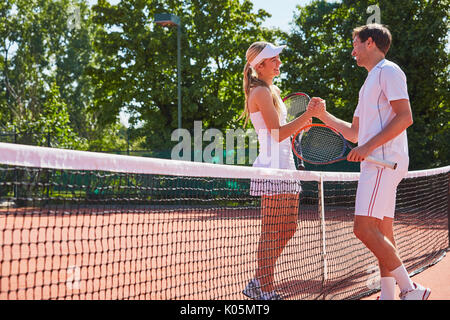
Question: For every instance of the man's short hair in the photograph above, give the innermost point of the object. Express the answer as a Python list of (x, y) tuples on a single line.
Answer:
[(379, 34)]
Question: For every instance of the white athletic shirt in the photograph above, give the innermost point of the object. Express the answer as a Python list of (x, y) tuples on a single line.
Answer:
[(385, 82)]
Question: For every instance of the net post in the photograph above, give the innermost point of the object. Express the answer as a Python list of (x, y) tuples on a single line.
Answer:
[(322, 224), (16, 176), (448, 211)]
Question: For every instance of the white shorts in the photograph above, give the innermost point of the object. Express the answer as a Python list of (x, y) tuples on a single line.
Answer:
[(377, 191)]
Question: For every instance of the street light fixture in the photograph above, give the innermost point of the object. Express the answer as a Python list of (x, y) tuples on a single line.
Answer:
[(171, 20)]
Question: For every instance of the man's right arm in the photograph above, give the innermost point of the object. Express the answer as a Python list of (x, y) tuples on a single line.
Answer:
[(347, 129)]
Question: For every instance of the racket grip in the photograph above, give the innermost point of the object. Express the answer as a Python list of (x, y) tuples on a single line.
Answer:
[(384, 163)]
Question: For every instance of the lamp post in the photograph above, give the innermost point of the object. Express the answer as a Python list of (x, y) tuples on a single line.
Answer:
[(167, 19)]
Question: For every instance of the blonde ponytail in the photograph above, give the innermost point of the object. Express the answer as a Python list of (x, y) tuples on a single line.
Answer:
[(250, 80)]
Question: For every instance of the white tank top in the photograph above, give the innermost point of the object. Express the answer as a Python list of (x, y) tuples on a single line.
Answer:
[(272, 154)]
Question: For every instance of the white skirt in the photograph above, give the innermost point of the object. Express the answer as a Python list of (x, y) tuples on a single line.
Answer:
[(260, 187)]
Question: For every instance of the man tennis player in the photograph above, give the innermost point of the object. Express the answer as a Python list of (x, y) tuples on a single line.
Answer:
[(379, 126)]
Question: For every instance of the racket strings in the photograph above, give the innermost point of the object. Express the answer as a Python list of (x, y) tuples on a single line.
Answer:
[(296, 105), (320, 145)]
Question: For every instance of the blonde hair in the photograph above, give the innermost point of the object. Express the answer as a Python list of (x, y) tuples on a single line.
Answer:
[(251, 79)]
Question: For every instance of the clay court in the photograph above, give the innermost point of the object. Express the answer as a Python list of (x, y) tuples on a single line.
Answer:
[(207, 254), (437, 278)]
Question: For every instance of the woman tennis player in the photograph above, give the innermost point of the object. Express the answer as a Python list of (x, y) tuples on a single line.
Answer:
[(279, 203)]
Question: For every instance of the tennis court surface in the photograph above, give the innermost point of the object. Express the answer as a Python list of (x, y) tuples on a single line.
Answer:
[(83, 225)]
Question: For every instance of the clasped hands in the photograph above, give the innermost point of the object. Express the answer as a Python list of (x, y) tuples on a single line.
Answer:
[(316, 107)]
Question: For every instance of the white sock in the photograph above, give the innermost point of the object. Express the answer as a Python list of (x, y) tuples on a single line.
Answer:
[(403, 280), (387, 288)]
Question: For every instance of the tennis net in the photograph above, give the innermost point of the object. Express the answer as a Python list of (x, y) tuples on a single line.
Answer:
[(83, 225)]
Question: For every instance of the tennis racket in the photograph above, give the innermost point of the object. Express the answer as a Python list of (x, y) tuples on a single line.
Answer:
[(296, 104), (321, 144)]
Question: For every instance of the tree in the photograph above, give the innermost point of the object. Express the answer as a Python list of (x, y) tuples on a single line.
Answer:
[(135, 69), (34, 35), (46, 46), (52, 127), (319, 62)]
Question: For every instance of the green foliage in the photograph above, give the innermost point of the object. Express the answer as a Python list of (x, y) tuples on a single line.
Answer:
[(51, 126), (135, 69), (46, 47)]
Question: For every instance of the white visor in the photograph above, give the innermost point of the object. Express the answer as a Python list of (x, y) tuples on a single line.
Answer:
[(269, 51)]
